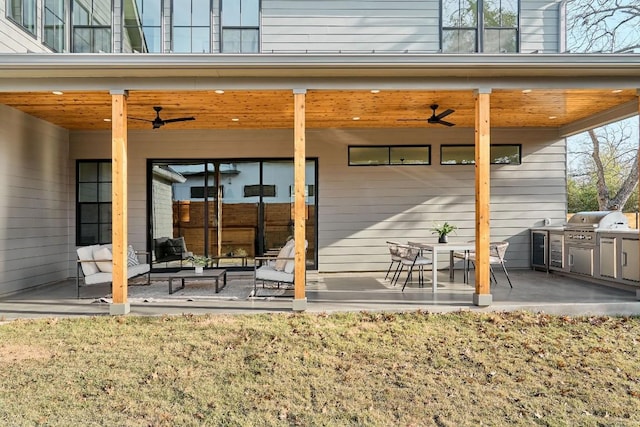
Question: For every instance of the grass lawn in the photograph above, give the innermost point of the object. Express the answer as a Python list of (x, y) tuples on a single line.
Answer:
[(376, 369)]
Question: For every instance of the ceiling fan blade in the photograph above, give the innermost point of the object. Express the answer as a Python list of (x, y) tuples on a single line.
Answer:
[(178, 119), (442, 122), (137, 118), (444, 114)]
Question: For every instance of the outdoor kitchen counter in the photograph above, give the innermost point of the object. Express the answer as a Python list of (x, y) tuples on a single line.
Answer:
[(614, 254)]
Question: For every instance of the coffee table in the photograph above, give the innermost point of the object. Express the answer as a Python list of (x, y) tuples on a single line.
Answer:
[(208, 274)]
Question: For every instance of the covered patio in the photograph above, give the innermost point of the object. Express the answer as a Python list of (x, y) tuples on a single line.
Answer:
[(534, 291), (561, 94)]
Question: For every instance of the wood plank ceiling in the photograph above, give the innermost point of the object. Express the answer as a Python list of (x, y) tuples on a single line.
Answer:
[(270, 109)]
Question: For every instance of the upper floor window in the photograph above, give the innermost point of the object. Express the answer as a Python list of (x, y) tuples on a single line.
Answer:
[(240, 26), (142, 26), (91, 26), (191, 26), (489, 26), (54, 24), (23, 12)]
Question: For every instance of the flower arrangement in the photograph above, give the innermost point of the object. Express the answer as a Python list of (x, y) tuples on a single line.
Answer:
[(443, 230)]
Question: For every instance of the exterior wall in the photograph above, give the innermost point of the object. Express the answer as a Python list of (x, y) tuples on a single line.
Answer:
[(384, 26), (540, 26), (34, 232), (355, 25), (15, 39), (360, 208), (329, 26)]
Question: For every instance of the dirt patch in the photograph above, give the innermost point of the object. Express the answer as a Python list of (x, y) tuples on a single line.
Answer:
[(18, 353)]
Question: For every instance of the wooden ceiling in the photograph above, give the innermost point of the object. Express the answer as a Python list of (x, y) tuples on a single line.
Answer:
[(271, 109)]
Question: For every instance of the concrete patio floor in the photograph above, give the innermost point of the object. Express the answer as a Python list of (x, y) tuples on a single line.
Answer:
[(533, 291)]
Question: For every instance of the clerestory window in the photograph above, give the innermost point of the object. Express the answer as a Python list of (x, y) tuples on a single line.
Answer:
[(488, 26)]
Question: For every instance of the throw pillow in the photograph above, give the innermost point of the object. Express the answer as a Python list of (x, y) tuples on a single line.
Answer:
[(132, 258), (104, 259), (172, 247), (285, 252)]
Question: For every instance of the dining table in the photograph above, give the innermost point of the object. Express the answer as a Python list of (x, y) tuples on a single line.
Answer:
[(435, 249)]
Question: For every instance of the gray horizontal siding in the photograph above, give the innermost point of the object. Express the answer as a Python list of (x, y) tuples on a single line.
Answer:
[(34, 239), (362, 207), (350, 25), (539, 26)]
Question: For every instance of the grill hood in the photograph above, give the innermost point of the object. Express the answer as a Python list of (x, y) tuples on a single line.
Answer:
[(598, 220)]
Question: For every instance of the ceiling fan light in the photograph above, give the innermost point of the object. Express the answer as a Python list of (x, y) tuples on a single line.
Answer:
[(235, 119)]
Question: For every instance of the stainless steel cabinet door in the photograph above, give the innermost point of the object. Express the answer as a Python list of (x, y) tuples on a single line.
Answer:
[(630, 260)]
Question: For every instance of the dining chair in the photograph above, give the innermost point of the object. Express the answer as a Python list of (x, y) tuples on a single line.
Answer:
[(497, 251), (411, 257), (395, 258)]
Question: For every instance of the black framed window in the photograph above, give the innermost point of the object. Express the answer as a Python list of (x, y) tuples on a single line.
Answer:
[(93, 202), (142, 26), (197, 192), (254, 190), (191, 26), (310, 190), (380, 155), (501, 154), (489, 26), (55, 24), (91, 20), (23, 13), (240, 26)]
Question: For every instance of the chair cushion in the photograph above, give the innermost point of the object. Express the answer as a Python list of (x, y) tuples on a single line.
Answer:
[(268, 273), (86, 253), (291, 263), (104, 253), (285, 252)]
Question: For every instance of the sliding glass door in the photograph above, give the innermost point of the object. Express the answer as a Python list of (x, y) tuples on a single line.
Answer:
[(230, 211)]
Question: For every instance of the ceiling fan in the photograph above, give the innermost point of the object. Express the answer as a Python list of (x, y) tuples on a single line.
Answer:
[(158, 122), (435, 118)]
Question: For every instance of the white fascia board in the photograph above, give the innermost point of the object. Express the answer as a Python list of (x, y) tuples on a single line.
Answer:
[(317, 65)]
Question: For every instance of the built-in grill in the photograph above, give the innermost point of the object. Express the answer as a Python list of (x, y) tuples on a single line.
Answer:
[(581, 237)]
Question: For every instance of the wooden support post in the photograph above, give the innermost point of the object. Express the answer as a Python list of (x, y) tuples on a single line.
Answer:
[(119, 201), (299, 165), (482, 295)]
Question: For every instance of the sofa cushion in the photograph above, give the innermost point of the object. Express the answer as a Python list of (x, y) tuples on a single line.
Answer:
[(136, 270), (103, 257), (86, 253)]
